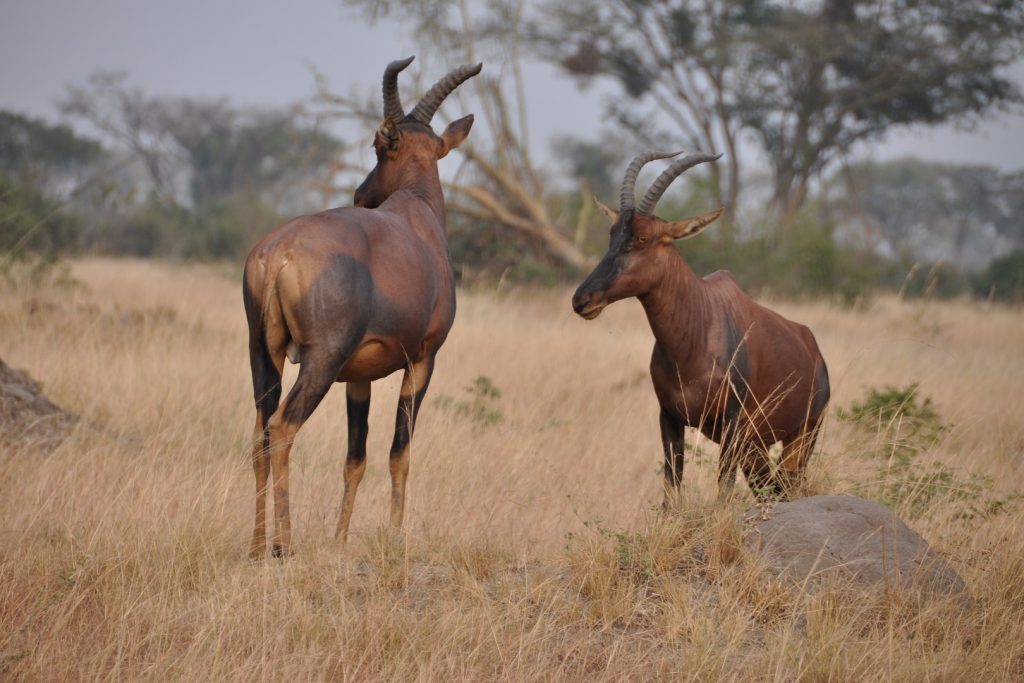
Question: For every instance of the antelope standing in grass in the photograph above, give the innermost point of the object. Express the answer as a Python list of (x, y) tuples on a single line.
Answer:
[(354, 294), (740, 373)]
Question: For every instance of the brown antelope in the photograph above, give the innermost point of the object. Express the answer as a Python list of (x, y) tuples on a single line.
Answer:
[(354, 294), (741, 373)]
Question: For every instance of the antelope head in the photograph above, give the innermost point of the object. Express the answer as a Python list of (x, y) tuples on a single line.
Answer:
[(640, 243), (406, 145)]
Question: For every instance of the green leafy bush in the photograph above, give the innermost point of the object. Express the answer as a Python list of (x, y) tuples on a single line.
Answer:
[(910, 425), (479, 406)]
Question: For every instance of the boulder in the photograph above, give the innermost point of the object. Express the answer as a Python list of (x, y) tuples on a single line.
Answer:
[(29, 420), (859, 539)]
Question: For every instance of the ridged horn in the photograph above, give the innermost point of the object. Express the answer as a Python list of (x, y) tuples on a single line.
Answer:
[(392, 103), (627, 195), (433, 98), (661, 184)]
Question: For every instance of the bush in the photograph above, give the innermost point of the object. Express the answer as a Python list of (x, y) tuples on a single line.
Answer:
[(480, 406), (31, 222), (1003, 280), (910, 426), (220, 229), (806, 262), (942, 280)]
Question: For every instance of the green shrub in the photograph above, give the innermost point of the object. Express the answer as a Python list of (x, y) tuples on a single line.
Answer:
[(910, 425), (31, 222), (1003, 279), (480, 405)]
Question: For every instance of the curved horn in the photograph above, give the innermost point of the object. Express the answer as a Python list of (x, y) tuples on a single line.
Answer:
[(661, 184), (392, 103), (627, 195), (433, 98)]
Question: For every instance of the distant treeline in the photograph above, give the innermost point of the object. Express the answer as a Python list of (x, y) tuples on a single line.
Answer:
[(205, 181)]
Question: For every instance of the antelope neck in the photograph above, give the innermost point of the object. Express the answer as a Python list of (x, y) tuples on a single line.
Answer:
[(424, 183), (675, 307)]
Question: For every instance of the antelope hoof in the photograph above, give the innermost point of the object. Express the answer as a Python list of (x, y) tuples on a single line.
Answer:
[(280, 551), (257, 549)]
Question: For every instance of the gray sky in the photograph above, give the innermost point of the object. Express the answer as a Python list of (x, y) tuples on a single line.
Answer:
[(259, 52)]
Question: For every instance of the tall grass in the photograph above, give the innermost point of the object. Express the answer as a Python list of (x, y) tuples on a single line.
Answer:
[(532, 550)]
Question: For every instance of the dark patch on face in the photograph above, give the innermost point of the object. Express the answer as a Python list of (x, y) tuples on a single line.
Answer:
[(610, 267)]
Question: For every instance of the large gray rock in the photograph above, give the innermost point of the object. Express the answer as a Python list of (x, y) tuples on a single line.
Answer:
[(815, 537), (27, 418)]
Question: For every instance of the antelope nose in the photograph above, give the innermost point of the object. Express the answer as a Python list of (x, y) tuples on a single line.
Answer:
[(580, 301)]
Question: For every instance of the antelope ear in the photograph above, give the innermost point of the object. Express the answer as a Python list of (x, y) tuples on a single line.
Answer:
[(688, 227), (454, 134), (612, 214), (387, 135)]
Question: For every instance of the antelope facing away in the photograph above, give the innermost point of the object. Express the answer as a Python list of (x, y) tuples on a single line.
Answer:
[(354, 294), (741, 373)]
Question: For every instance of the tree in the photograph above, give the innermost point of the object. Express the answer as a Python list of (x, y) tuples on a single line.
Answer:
[(822, 77), (231, 152), (674, 62), (32, 150), (499, 183), (216, 176), (810, 80), (964, 214), (43, 168), (129, 119), (195, 151)]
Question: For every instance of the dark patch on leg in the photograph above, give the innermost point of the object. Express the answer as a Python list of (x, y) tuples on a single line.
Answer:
[(672, 444), (757, 468), (358, 427), (358, 409), (405, 420), (417, 377)]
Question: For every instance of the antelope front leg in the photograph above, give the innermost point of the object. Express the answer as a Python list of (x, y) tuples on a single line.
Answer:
[(728, 460), (672, 442), (414, 387), (795, 454), (357, 395)]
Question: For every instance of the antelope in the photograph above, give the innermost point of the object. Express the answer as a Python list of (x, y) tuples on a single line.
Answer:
[(352, 295), (740, 373)]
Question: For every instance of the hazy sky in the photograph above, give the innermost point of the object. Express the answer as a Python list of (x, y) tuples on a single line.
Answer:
[(259, 52)]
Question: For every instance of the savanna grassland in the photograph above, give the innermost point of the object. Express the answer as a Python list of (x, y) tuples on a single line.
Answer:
[(533, 547)]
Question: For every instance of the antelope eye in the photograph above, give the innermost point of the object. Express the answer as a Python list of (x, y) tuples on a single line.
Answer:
[(641, 239)]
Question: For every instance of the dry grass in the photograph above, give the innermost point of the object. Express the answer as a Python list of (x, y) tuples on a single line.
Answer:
[(531, 549)]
